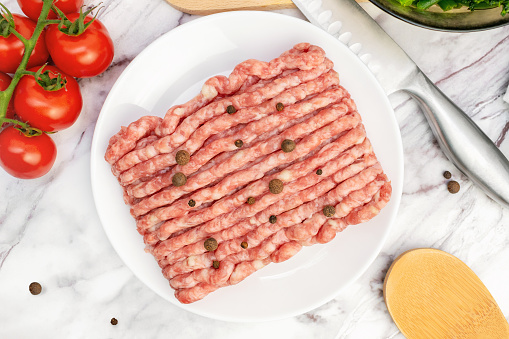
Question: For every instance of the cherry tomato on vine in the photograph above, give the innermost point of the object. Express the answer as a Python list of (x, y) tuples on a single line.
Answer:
[(82, 56), (5, 81), (48, 110), (26, 157), (32, 8), (11, 48)]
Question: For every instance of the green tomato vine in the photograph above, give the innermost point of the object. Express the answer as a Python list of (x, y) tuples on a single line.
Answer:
[(7, 23)]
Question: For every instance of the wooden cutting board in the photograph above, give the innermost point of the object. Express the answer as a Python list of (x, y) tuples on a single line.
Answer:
[(432, 294), (205, 7)]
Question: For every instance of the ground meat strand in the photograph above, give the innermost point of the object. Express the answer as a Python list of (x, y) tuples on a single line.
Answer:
[(169, 143), (125, 140), (243, 157), (269, 248), (305, 57), (230, 236), (196, 136), (248, 133), (299, 172), (285, 220), (257, 171), (204, 234)]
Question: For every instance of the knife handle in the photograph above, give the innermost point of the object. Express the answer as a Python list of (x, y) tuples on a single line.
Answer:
[(462, 141)]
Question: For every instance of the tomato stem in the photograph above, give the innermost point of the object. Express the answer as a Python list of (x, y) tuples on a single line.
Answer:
[(78, 26), (47, 82), (51, 22), (19, 36), (6, 95), (22, 126), (28, 73), (6, 21)]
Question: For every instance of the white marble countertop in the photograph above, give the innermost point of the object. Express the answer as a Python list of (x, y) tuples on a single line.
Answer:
[(50, 232)]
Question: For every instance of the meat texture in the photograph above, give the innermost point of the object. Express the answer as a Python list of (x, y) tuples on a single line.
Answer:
[(277, 158)]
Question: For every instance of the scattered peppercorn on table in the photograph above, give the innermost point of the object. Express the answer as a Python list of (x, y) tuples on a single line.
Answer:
[(59, 271)]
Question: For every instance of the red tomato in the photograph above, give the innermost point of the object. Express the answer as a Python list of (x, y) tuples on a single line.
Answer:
[(5, 81), (32, 8), (82, 56), (48, 110), (26, 157), (11, 48)]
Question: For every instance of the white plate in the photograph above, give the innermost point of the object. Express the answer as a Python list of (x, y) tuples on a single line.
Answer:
[(170, 71)]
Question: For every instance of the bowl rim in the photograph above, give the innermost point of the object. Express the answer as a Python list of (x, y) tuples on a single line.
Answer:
[(439, 28)]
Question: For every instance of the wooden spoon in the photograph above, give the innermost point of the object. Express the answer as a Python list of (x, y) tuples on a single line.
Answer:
[(205, 7), (432, 294)]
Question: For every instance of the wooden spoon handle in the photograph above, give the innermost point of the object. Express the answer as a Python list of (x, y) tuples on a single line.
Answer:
[(205, 7)]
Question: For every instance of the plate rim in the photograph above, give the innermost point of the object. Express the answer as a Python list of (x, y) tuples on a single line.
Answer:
[(397, 182)]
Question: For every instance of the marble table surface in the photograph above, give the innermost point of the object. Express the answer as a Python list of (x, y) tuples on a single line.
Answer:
[(50, 232)]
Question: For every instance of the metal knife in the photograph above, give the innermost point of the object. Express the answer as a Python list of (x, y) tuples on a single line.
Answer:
[(462, 141)]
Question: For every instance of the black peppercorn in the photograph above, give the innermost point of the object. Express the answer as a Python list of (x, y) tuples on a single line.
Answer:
[(447, 175), (453, 187), (179, 179), (319, 172), (280, 106), (239, 143), (244, 244), (231, 109), (329, 211), (210, 244), (215, 264), (275, 186), (288, 145), (272, 219), (191, 203), (182, 157), (251, 200), (114, 321), (35, 288)]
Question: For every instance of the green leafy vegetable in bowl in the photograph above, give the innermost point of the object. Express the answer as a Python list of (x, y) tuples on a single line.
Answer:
[(447, 5)]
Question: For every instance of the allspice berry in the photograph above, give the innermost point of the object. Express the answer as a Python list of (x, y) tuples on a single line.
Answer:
[(329, 211), (231, 109), (244, 244), (288, 145), (251, 200), (447, 175), (35, 288), (272, 219), (182, 157), (179, 179), (276, 186), (210, 244), (453, 187), (239, 143), (280, 106)]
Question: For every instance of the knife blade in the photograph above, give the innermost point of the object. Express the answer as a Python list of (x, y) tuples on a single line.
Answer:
[(461, 140)]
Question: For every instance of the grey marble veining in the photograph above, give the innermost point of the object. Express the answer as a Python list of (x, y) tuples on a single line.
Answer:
[(50, 232)]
